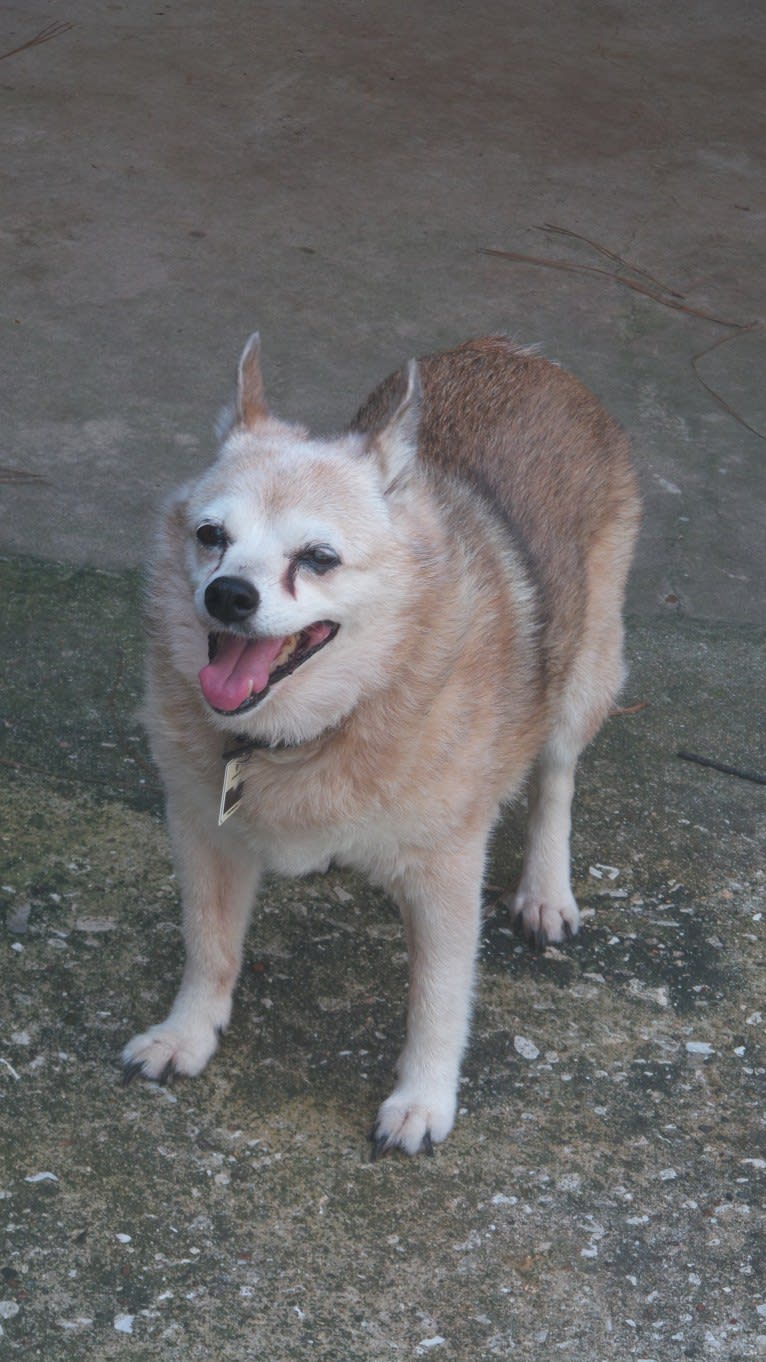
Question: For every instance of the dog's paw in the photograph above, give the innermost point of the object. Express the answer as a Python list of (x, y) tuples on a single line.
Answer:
[(545, 919), (411, 1122), (169, 1049)]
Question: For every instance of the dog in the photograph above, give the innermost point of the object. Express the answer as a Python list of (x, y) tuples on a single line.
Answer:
[(359, 649)]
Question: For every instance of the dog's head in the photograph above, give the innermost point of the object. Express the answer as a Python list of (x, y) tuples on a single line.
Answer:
[(300, 557)]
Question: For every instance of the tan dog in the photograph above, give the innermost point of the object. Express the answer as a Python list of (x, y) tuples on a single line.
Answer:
[(391, 630)]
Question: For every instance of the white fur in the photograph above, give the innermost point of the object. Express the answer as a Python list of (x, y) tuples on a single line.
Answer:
[(403, 735)]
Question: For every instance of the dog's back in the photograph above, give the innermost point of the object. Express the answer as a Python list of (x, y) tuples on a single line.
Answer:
[(536, 445)]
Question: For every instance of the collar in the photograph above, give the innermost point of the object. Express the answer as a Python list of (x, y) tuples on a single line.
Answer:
[(248, 747)]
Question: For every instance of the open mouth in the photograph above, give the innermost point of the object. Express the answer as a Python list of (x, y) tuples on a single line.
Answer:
[(242, 670)]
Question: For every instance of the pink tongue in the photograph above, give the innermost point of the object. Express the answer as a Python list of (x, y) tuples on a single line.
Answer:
[(239, 669)]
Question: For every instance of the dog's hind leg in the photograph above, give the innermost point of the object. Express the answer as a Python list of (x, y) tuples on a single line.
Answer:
[(440, 901), (218, 881), (544, 905)]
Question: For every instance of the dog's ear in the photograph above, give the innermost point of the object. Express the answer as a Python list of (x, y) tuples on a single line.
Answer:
[(251, 402), (395, 445)]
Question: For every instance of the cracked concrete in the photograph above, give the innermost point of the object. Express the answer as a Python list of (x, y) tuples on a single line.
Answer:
[(331, 173)]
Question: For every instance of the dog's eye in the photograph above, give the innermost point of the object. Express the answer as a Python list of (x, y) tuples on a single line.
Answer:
[(211, 536), (317, 558)]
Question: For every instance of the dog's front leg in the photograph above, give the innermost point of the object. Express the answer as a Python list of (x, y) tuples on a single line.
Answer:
[(440, 901), (218, 881)]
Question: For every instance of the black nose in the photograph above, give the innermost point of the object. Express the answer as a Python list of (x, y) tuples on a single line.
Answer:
[(231, 599)]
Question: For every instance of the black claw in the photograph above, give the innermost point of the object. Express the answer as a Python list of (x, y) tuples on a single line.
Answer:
[(165, 1078), (381, 1145), (535, 937), (130, 1070)]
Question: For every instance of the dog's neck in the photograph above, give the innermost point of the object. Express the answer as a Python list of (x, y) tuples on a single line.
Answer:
[(280, 751)]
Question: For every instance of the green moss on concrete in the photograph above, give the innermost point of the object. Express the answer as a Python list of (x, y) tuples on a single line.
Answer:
[(73, 647)]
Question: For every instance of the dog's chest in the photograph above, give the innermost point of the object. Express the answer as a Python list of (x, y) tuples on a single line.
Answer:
[(292, 833), (294, 851)]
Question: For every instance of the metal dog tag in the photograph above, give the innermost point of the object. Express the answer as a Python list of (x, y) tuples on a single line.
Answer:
[(233, 784)]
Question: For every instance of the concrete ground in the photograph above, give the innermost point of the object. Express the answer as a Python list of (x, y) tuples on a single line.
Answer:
[(334, 174)]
